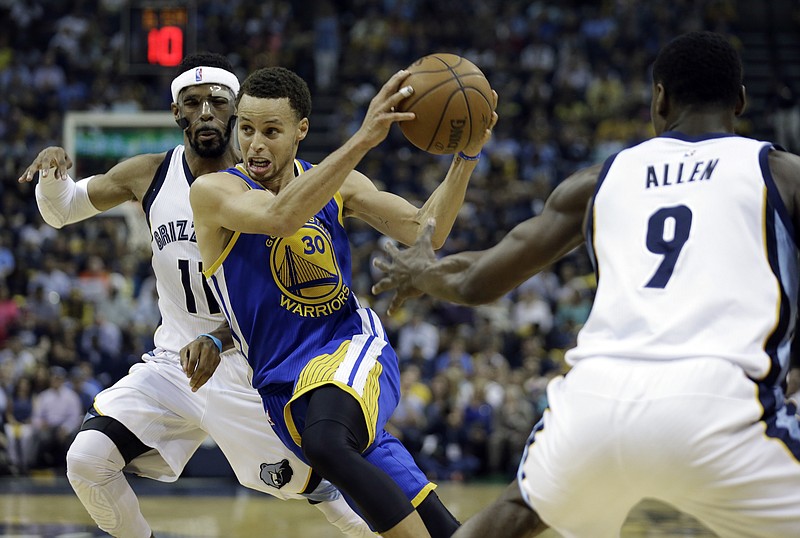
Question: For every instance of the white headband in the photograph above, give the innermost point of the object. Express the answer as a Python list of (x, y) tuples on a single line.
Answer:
[(204, 75)]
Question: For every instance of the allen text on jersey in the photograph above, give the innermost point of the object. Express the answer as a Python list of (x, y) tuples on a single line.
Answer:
[(670, 174)]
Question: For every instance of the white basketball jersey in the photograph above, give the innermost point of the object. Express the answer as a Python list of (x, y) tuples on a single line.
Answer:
[(695, 256), (187, 306)]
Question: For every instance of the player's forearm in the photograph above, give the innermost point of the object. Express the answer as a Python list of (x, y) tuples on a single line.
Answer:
[(304, 197), (445, 202), (63, 202)]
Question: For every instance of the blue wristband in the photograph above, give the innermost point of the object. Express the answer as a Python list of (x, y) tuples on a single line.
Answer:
[(214, 339), (467, 157)]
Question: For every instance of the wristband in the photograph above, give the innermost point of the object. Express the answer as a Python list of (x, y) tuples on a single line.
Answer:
[(467, 157), (214, 339)]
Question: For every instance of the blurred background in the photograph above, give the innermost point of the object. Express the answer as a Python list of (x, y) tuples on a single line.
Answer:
[(78, 305)]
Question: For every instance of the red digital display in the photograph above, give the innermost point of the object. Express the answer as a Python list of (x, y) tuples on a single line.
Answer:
[(165, 46), (159, 33)]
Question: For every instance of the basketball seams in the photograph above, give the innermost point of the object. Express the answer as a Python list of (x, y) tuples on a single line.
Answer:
[(442, 115), (463, 87), (444, 123)]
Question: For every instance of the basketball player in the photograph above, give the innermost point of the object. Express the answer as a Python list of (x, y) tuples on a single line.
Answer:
[(274, 246), (153, 420), (675, 391)]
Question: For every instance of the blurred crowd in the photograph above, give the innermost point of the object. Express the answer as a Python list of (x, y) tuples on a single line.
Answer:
[(78, 305)]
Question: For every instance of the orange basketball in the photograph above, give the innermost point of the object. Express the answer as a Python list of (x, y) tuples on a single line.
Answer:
[(452, 101)]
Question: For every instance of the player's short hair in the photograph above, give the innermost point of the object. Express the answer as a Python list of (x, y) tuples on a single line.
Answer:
[(277, 83), (700, 68), (204, 59)]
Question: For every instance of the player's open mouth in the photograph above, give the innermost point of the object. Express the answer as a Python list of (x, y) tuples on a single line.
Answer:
[(258, 166)]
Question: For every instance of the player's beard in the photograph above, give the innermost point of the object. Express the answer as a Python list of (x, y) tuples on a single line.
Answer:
[(212, 147)]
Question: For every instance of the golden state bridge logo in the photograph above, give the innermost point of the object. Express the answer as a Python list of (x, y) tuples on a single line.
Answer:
[(306, 271)]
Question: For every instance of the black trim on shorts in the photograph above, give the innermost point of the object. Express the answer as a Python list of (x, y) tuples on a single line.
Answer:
[(128, 444)]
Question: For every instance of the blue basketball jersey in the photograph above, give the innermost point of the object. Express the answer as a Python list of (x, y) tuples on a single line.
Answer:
[(285, 298)]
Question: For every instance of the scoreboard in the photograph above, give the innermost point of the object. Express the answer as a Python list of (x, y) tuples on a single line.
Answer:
[(158, 33)]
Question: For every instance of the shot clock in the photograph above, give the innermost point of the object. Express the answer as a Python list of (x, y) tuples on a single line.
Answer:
[(159, 33)]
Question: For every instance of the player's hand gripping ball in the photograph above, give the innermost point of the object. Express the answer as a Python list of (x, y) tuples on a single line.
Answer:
[(452, 101)]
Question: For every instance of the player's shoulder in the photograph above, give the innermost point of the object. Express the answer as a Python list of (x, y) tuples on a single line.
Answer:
[(577, 189), (784, 167), (784, 162), (221, 182), (139, 167), (585, 179)]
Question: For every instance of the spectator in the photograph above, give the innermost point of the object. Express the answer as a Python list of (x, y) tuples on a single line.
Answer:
[(84, 383), (531, 314), (43, 308), (56, 417), (418, 338), (512, 425), (52, 279), (19, 357), (454, 356), (18, 428), (9, 313), (786, 116), (7, 259), (408, 421), (94, 281), (326, 45)]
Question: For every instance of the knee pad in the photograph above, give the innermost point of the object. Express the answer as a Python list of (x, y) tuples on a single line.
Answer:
[(93, 458), (94, 470)]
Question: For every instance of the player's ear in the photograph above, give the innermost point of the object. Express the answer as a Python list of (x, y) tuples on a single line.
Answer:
[(182, 122), (660, 100), (741, 104), (302, 129)]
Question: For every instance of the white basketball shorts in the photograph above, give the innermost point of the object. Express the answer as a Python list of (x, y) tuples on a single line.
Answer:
[(155, 402), (692, 433)]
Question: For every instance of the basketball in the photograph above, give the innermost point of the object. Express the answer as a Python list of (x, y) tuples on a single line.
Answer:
[(452, 101)]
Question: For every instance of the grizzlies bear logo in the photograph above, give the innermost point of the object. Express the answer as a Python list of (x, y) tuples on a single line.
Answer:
[(276, 475)]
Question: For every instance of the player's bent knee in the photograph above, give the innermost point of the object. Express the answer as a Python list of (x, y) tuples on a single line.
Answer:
[(93, 457), (94, 470), (326, 445)]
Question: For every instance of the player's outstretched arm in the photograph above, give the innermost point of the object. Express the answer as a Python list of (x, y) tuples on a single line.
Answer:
[(482, 276), (63, 201), (508, 517), (399, 219), (446, 200)]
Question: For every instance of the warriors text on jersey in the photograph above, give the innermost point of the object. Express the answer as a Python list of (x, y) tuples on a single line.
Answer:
[(695, 256), (187, 306), (286, 297)]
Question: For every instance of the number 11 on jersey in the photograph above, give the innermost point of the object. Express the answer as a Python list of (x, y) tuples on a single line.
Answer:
[(186, 280)]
